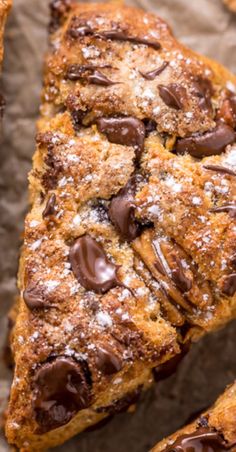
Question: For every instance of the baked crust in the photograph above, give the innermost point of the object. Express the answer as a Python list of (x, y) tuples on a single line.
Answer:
[(136, 201), (219, 419)]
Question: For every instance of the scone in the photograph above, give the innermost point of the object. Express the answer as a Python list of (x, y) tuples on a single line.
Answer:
[(5, 6), (214, 430), (129, 251), (231, 4)]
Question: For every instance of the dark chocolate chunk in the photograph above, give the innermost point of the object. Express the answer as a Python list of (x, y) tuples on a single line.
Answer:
[(91, 266), (89, 73), (122, 212), (80, 28), (121, 405), (127, 131), (220, 169), (229, 208), (202, 440), (120, 35), (34, 297), (151, 75), (107, 361), (61, 389), (179, 277), (2, 105), (213, 142), (59, 9), (229, 285), (50, 206), (173, 95), (203, 89)]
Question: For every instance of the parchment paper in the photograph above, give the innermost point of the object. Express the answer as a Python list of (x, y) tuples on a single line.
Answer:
[(204, 25)]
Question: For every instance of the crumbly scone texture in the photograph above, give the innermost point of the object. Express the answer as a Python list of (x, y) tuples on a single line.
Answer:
[(5, 6), (220, 418), (231, 4), (129, 247)]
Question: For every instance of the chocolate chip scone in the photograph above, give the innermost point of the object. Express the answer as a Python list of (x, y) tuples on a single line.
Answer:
[(129, 252), (5, 6), (214, 430)]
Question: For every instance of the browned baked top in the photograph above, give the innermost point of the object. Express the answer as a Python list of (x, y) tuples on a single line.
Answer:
[(5, 6), (129, 248), (214, 430)]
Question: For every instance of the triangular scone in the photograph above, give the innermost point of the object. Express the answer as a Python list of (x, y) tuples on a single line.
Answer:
[(214, 430), (129, 249)]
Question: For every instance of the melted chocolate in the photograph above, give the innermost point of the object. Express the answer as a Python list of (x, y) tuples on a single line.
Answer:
[(220, 169), (229, 208), (122, 405), (120, 35), (202, 440), (151, 75), (210, 143), (180, 279), (167, 369), (91, 266), (127, 131), (78, 72), (82, 28), (50, 206), (107, 361), (203, 89), (229, 285), (61, 389), (122, 212), (173, 95), (34, 297)]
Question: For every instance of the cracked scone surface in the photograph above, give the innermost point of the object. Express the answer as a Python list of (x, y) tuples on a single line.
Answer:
[(213, 430), (129, 251)]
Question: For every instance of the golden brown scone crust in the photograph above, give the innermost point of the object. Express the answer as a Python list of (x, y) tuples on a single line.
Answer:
[(176, 273), (231, 4), (220, 418)]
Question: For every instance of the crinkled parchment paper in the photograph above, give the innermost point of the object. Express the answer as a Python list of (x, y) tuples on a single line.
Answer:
[(204, 25)]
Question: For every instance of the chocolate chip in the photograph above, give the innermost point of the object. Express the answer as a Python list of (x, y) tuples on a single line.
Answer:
[(93, 76), (34, 297), (127, 131), (229, 285), (91, 266), (167, 369), (151, 75), (107, 361), (220, 169), (121, 405), (59, 8), (213, 142), (80, 28), (122, 212), (203, 89), (173, 95), (229, 208), (120, 35), (50, 206), (179, 277), (2, 105), (203, 439), (61, 388)]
